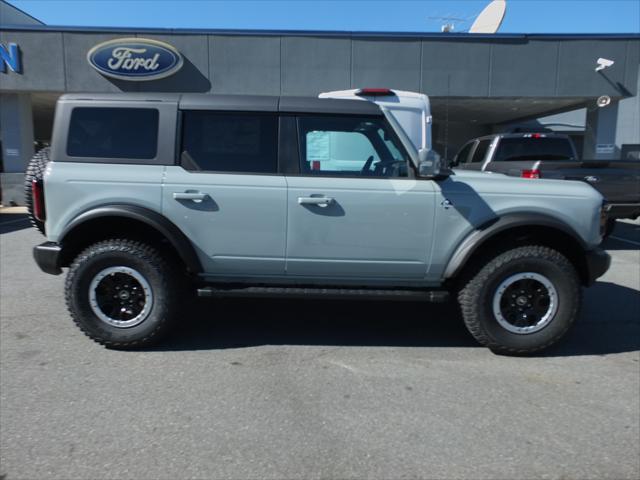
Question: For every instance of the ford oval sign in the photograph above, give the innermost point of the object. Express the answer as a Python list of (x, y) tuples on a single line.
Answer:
[(137, 59)]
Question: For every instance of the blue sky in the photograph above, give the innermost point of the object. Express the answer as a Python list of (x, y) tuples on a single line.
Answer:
[(523, 16)]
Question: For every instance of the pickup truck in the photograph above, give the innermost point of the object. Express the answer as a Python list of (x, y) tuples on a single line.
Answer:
[(149, 198), (553, 156)]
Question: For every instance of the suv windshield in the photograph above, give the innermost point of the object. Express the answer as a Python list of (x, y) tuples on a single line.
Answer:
[(513, 149)]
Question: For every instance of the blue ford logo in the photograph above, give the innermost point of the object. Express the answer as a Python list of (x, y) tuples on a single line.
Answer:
[(135, 59)]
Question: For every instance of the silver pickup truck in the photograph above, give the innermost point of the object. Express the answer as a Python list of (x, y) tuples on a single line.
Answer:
[(146, 198), (536, 155)]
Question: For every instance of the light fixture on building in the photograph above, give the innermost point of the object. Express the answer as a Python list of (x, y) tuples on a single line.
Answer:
[(603, 63)]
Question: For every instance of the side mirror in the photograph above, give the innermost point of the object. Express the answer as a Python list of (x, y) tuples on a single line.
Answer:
[(430, 163)]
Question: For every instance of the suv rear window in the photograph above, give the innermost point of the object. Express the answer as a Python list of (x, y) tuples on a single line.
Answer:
[(514, 149), (229, 142), (113, 133)]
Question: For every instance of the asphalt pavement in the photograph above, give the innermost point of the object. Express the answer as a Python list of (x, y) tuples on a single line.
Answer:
[(273, 389)]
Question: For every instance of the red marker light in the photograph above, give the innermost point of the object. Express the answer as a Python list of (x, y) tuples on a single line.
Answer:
[(37, 192), (374, 92), (530, 173), (536, 135)]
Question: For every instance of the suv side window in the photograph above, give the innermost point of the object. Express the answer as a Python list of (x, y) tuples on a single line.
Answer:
[(481, 151), (105, 132), (350, 146), (229, 142)]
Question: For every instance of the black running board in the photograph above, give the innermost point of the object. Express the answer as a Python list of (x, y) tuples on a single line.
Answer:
[(436, 296)]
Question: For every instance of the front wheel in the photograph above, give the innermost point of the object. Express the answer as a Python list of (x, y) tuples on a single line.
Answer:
[(122, 293), (522, 301)]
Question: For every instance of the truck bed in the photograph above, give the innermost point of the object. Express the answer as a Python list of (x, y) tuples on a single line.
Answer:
[(617, 180)]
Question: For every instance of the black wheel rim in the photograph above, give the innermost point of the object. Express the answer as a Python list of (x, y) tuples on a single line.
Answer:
[(120, 296), (525, 303)]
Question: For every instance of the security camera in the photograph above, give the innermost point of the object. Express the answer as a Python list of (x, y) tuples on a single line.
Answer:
[(603, 63)]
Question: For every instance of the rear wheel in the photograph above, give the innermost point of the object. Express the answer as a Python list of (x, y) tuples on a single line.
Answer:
[(35, 171), (522, 301), (122, 293)]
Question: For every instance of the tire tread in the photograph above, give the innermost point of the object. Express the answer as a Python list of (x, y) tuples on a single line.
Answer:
[(469, 293), (35, 171), (147, 254)]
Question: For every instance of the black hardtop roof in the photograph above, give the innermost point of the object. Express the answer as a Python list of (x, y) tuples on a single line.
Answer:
[(247, 103)]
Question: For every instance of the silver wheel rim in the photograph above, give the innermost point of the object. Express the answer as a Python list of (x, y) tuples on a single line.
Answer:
[(120, 296), (525, 303)]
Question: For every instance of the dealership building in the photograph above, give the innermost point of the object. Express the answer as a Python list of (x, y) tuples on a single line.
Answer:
[(478, 83)]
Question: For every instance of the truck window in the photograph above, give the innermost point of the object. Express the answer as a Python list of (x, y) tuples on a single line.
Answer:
[(113, 133), (523, 148), (463, 155), (348, 146), (229, 142), (481, 150)]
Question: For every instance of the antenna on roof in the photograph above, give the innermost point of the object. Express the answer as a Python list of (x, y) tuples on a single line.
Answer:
[(448, 23), (490, 18)]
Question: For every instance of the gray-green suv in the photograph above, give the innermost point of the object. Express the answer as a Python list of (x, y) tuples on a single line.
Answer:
[(148, 197)]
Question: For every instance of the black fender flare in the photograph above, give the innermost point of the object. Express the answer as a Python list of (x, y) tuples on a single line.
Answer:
[(153, 219), (490, 229)]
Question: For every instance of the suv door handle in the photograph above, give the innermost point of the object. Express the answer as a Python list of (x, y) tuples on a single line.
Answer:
[(319, 201), (189, 196)]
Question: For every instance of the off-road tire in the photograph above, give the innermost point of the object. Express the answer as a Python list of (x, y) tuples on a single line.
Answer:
[(478, 290), (160, 274), (35, 171)]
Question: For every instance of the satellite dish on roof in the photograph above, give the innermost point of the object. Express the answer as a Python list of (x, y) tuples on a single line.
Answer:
[(490, 19)]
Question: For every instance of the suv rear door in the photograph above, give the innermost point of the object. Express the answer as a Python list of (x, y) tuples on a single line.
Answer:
[(354, 210), (226, 194)]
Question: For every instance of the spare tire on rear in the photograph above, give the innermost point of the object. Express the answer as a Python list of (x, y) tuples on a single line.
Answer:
[(35, 171)]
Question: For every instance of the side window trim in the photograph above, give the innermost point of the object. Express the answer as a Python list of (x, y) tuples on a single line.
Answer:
[(76, 122), (478, 146), (472, 151), (490, 151), (288, 146), (165, 141), (468, 156)]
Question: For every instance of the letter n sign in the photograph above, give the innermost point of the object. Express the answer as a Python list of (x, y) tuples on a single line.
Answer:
[(10, 56)]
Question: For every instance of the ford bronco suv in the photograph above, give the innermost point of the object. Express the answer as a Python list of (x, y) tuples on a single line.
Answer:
[(146, 197)]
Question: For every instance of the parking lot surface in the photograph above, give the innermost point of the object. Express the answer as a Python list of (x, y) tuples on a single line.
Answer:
[(255, 389)]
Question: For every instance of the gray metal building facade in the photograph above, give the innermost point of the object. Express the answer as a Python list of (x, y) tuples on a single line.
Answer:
[(477, 83)]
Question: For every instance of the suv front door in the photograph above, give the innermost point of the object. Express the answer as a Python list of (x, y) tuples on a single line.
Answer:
[(226, 195), (354, 210)]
